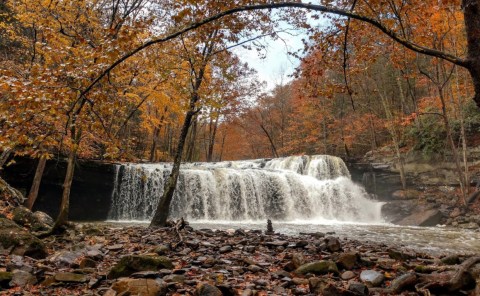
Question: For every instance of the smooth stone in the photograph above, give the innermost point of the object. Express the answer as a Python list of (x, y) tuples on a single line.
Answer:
[(69, 277), (225, 249), (372, 277), (347, 275)]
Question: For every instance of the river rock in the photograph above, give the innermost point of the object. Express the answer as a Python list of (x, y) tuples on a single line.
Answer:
[(333, 244), (144, 287), (318, 267), (358, 288), (20, 241), (430, 217), (298, 260), (347, 275), (204, 289), (347, 260), (225, 249), (372, 277), (134, 263), (22, 278), (69, 277)]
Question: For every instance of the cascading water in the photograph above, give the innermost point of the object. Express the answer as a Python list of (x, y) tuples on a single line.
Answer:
[(292, 188)]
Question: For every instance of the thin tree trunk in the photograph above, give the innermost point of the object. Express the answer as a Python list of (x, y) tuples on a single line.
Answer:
[(62, 218), (211, 142), (162, 211), (274, 149), (32, 196)]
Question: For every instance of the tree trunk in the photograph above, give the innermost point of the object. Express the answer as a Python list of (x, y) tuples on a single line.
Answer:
[(153, 149), (211, 140), (162, 211), (62, 218), (32, 196), (274, 149)]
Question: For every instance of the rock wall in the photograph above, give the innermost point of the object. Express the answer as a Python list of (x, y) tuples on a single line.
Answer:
[(91, 188)]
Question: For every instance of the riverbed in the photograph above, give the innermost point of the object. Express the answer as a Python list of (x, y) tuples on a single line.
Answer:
[(432, 240)]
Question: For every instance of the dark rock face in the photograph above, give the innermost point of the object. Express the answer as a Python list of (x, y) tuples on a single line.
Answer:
[(92, 186)]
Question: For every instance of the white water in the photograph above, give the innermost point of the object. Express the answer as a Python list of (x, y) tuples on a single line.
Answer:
[(307, 188)]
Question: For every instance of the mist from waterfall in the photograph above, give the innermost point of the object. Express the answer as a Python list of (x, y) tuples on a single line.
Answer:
[(285, 189)]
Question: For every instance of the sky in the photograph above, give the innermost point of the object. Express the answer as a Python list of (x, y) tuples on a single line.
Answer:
[(277, 64)]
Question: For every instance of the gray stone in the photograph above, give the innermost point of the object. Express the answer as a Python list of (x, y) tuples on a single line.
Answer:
[(22, 278), (41, 221), (372, 277), (358, 288)]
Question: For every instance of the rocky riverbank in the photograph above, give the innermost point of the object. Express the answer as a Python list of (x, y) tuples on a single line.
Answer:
[(106, 259)]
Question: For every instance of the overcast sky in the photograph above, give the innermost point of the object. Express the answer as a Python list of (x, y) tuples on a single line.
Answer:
[(277, 64)]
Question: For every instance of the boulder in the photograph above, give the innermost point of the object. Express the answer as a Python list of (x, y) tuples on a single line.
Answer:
[(134, 263), (41, 221), (38, 221), (20, 241), (144, 287), (318, 267), (430, 217)]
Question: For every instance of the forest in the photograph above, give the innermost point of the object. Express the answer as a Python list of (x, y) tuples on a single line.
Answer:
[(158, 93)]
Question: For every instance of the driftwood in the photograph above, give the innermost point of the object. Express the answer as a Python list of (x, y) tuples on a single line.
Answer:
[(177, 227), (448, 281)]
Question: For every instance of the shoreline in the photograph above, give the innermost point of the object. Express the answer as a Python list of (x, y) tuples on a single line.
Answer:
[(233, 262)]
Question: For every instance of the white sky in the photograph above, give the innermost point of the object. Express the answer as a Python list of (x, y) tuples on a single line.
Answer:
[(277, 64)]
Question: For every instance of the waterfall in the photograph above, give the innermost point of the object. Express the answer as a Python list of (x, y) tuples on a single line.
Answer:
[(291, 188)]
